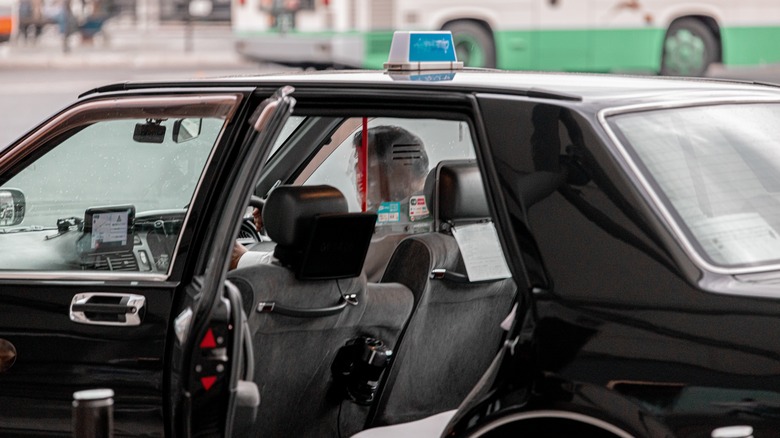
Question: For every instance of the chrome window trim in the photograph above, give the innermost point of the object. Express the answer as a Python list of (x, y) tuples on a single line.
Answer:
[(95, 277), (565, 415), (54, 127), (647, 188)]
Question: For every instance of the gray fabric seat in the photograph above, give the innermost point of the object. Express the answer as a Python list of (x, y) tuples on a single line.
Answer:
[(296, 332), (454, 331)]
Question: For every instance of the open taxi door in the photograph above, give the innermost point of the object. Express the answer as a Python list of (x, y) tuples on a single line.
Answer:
[(211, 381)]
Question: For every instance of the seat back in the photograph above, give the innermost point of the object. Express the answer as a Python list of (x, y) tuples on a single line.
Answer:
[(305, 307), (454, 331), (397, 165)]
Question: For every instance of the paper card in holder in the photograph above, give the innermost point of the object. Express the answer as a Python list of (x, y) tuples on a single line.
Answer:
[(481, 251)]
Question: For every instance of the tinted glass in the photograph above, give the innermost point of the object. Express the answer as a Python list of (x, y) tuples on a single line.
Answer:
[(420, 144), (718, 170)]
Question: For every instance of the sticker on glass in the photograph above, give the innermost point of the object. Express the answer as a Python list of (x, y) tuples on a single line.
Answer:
[(389, 212), (418, 208)]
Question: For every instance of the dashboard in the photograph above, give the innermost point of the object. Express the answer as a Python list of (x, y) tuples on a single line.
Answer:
[(154, 236), (144, 242), (114, 238)]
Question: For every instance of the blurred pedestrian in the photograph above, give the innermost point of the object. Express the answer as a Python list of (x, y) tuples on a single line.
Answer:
[(95, 13), (67, 22), (31, 20)]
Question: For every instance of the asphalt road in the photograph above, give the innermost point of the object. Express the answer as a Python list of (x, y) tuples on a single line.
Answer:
[(29, 96), (37, 80)]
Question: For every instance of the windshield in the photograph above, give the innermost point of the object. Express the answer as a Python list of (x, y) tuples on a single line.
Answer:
[(102, 164), (106, 185), (717, 169)]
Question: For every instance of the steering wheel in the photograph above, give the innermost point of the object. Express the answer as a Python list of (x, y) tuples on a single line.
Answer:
[(257, 202), (248, 234)]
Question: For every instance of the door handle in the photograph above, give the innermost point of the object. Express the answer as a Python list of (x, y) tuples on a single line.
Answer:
[(99, 308)]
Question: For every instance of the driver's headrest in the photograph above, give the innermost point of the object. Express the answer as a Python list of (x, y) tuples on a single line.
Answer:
[(289, 211), (457, 193), (314, 233)]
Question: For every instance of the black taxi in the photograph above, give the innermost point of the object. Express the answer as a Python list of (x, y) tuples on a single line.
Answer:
[(464, 252)]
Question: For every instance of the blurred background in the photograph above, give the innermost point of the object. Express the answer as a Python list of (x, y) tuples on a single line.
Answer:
[(53, 50)]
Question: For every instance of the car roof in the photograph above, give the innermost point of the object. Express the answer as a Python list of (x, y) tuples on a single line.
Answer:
[(602, 90)]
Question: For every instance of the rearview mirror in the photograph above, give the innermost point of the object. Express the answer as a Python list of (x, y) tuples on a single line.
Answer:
[(12, 206), (186, 129), (150, 132)]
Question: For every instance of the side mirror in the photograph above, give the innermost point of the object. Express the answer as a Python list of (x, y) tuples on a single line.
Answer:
[(12, 206), (186, 129)]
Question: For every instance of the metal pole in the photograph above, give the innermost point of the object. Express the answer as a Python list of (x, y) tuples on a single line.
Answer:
[(65, 24), (188, 29), (93, 413)]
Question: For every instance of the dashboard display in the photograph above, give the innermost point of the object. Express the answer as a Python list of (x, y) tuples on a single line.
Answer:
[(109, 228)]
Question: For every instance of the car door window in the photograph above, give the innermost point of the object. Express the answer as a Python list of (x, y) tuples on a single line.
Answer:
[(111, 190), (400, 153), (423, 142)]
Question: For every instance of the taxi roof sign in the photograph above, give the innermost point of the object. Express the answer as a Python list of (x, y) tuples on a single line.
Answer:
[(422, 51)]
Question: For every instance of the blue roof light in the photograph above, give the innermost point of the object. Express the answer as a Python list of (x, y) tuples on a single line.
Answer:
[(422, 51)]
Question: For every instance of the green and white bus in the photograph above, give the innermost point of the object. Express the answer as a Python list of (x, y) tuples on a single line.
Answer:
[(674, 37)]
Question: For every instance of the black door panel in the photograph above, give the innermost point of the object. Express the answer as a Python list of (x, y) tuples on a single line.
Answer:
[(57, 357)]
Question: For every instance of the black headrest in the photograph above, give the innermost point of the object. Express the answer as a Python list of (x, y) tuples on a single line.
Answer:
[(457, 192), (314, 234), (288, 213)]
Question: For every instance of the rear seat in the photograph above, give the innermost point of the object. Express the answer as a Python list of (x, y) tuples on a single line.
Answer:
[(432, 426)]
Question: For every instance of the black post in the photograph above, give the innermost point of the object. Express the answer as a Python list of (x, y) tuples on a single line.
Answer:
[(188, 29), (66, 22), (93, 413)]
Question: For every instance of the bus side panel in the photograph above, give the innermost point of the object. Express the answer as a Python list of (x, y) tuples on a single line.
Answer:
[(627, 50), (608, 50), (748, 29), (751, 45), (514, 49), (376, 48), (511, 24)]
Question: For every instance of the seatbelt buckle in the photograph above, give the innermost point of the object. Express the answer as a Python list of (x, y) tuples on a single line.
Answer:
[(265, 306)]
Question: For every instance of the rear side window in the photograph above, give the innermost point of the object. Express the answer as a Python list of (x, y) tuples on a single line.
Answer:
[(717, 170), (399, 155)]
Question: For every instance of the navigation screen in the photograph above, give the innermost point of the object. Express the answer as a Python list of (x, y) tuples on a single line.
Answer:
[(110, 228)]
